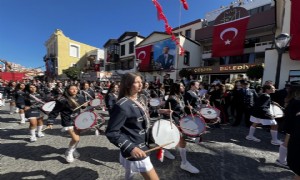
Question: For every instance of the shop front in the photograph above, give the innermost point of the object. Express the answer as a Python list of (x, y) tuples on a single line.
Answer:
[(222, 73)]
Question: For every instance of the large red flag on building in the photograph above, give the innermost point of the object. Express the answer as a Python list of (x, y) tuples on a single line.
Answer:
[(295, 30), (143, 54), (229, 37)]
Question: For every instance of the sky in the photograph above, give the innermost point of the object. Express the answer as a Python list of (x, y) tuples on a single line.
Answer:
[(25, 25)]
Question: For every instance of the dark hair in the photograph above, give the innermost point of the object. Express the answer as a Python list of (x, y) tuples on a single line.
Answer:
[(266, 87), (27, 87), (127, 81), (175, 88), (18, 87), (83, 83), (192, 83)]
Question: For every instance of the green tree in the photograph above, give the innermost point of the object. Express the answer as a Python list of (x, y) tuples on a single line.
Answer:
[(255, 72), (72, 73)]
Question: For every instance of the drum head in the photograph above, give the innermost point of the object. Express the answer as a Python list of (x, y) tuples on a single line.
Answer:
[(192, 125), (209, 113), (154, 102), (85, 120), (163, 133), (95, 102), (276, 111), (104, 91), (49, 106)]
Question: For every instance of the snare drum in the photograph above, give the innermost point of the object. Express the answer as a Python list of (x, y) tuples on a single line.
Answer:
[(154, 102), (85, 120), (95, 102), (276, 111), (192, 125), (163, 132), (209, 113), (49, 106)]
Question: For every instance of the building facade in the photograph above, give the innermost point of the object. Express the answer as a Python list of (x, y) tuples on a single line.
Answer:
[(63, 53), (259, 36)]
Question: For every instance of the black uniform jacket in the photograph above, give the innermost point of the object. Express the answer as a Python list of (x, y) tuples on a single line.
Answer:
[(66, 111), (128, 127), (261, 108)]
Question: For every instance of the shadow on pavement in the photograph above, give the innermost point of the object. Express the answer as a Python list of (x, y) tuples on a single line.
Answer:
[(67, 174)]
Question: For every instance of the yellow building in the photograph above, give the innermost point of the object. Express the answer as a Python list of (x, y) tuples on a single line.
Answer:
[(63, 52)]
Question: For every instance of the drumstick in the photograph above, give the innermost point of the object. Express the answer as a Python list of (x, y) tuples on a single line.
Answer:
[(191, 111), (48, 127), (170, 115), (155, 148), (81, 105)]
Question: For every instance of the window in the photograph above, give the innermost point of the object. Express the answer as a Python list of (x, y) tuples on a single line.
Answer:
[(186, 58), (188, 33), (123, 50), (131, 47), (74, 50)]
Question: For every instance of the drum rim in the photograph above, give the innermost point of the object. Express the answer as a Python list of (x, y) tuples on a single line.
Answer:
[(215, 109), (94, 123), (201, 119)]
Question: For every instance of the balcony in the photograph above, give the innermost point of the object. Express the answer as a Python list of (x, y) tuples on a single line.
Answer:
[(206, 54), (262, 46)]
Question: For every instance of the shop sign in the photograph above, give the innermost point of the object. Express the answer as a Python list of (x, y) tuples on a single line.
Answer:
[(232, 68)]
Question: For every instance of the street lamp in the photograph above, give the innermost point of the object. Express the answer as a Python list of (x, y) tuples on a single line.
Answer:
[(281, 42)]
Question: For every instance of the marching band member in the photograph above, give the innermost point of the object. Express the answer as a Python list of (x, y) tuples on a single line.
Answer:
[(87, 92), (112, 96), (191, 96), (67, 106), (33, 103), (20, 101), (58, 90), (177, 105), (128, 128), (261, 115), (10, 91)]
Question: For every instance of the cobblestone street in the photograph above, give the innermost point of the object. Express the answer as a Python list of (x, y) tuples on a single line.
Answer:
[(225, 154)]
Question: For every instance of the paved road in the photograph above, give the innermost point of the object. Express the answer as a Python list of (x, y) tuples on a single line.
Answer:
[(224, 155)]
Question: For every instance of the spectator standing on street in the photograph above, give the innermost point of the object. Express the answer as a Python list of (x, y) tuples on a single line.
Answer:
[(292, 113)]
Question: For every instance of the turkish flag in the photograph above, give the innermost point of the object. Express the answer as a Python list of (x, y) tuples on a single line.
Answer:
[(143, 54), (229, 37), (295, 30)]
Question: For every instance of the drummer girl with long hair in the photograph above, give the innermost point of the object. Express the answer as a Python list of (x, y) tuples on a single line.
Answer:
[(128, 128), (33, 103), (112, 96), (68, 108), (177, 105)]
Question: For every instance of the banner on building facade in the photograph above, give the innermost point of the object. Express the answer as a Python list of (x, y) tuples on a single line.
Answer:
[(229, 37), (295, 30), (164, 53), (143, 55)]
